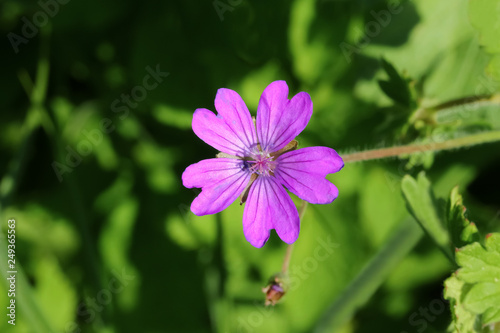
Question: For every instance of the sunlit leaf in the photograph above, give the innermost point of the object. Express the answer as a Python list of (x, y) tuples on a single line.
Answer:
[(462, 231), (480, 267), (483, 16), (423, 206), (463, 320)]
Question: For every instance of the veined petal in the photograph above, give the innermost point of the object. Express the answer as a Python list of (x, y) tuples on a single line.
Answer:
[(303, 172), (269, 207), (232, 131), (280, 120), (231, 107), (222, 181)]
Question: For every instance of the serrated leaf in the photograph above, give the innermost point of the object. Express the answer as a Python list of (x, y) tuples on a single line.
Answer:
[(396, 87), (463, 320), (462, 231), (493, 242), (481, 271), (422, 205), (480, 264)]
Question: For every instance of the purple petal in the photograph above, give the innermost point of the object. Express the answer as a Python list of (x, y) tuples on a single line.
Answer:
[(303, 172), (269, 207), (232, 131), (222, 180), (280, 120)]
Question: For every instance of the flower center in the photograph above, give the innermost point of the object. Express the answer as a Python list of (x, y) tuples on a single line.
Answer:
[(261, 163)]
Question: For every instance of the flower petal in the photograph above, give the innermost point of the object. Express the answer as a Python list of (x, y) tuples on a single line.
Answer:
[(303, 172), (222, 180), (232, 131), (269, 207), (280, 120)]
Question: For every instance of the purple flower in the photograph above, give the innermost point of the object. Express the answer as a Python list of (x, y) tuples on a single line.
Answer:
[(257, 159)]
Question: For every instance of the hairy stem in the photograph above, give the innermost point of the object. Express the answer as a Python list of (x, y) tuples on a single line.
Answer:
[(472, 102), (465, 141)]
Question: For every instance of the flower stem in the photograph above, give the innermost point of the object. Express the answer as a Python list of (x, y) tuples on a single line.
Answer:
[(466, 141), (429, 114), (469, 101), (289, 249)]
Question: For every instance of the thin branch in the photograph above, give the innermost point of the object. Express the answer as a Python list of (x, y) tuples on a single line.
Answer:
[(466, 141)]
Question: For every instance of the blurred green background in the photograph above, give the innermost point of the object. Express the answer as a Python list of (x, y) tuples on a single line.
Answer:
[(105, 239)]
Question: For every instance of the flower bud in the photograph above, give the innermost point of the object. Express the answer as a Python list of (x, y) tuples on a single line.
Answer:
[(274, 290)]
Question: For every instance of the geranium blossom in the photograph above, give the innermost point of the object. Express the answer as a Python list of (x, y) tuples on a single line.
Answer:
[(257, 159)]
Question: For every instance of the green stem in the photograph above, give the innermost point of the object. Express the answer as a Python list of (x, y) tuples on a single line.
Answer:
[(468, 101), (371, 277), (465, 141), (472, 102)]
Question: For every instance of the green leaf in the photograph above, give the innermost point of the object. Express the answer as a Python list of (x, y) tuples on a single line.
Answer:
[(481, 269), (482, 297), (25, 296), (396, 87), (480, 264), (55, 293), (483, 16), (493, 68), (422, 205), (492, 315), (461, 230), (463, 320)]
